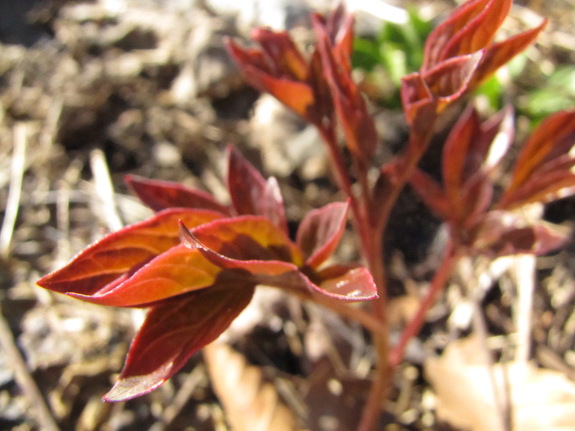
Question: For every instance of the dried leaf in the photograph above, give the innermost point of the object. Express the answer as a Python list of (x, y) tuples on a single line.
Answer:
[(250, 403), (542, 400)]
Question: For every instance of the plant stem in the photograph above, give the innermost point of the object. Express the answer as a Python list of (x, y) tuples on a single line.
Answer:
[(450, 258), (370, 228), (372, 248)]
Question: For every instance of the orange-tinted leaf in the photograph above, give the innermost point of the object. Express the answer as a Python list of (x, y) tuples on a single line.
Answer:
[(541, 188), (443, 33), (544, 163), (176, 271), (281, 53), (479, 31), (251, 193), (248, 238), (100, 267), (296, 95), (355, 286), (160, 195), (172, 333), (320, 232), (498, 54)]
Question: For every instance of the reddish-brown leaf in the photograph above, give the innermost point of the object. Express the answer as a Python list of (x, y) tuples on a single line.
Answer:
[(176, 271), (449, 79), (471, 152), (456, 152), (357, 124), (351, 283), (296, 95), (160, 195), (339, 27), (498, 54), (417, 101), (320, 231), (100, 267), (479, 31), (281, 53), (248, 238), (458, 35), (346, 285), (251, 193), (431, 192), (172, 333), (543, 167)]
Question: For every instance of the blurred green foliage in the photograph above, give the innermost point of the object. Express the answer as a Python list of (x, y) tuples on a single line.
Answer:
[(396, 51), (557, 93)]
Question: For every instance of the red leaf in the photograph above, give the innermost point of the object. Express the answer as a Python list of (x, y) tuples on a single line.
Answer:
[(97, 268), (352, 283), (176, 271), (251, 193), (320, 232), (172, 333), (160, 195)]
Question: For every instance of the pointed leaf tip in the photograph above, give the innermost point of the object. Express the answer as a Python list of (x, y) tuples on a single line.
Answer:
[(320, 232), (159, 195), (172, 333)]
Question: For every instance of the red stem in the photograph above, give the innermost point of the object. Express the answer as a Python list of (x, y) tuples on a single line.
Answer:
[(370, 228), (450, 258)]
